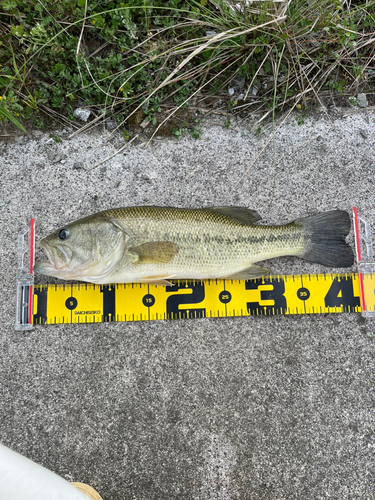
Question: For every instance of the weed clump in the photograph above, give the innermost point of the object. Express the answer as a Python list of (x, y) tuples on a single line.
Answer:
[(143, 62)]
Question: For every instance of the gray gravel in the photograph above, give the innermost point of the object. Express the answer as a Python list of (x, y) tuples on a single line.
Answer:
[(247, 408), (362, 100)]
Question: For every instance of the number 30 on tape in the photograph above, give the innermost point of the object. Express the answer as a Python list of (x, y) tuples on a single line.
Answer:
[(305, 294)]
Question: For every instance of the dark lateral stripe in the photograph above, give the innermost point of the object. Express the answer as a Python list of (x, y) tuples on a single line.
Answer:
[(248, 240)]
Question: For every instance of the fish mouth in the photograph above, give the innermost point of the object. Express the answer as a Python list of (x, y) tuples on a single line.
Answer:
[(45, 268), (58, 259)]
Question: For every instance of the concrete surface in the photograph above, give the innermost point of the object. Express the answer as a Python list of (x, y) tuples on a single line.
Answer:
[(259, 408)]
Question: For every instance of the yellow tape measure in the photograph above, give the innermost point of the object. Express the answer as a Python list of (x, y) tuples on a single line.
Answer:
[(273, 295)]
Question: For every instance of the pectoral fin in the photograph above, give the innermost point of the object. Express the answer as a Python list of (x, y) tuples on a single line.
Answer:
[(251, 273), (154, 252)]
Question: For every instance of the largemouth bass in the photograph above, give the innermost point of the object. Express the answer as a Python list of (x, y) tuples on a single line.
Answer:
[(155, 244)]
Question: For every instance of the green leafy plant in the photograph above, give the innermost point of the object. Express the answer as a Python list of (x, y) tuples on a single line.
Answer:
[(150, 108), (196, 130), (157, 56), (179, 132), (8, 115), (352, 101), (300, 120), (56, 138)]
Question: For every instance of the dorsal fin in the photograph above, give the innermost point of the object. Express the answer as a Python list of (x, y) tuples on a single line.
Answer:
[(241, 214)]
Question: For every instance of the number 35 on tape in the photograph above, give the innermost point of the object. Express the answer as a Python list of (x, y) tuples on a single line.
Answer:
[(274, 295)]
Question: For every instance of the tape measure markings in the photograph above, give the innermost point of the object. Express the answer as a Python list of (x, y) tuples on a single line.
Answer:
[(268, 296)]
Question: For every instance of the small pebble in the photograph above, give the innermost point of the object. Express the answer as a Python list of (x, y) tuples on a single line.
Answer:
[(238, 82), (110, 125), (82, 114), (254, 90), (362, 100), (362, 133), (58, 158)]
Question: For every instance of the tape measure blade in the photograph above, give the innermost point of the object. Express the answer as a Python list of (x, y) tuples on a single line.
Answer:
[(272, 295)]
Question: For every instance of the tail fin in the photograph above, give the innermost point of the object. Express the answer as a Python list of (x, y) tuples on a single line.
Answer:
[(325, 234)]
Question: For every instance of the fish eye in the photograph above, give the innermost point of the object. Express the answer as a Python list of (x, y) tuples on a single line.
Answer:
[(63, 234)]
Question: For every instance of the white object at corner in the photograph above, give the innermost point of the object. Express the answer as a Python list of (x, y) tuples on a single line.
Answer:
[(23, 479)]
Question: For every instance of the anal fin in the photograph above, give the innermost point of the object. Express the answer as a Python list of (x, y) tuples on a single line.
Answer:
[(251, 273), (156, 280)]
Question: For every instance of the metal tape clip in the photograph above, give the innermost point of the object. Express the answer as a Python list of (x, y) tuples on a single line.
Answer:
[(25, 277), (366, 264)]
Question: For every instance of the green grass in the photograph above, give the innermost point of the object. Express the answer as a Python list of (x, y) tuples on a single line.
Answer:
[(148, 59)]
